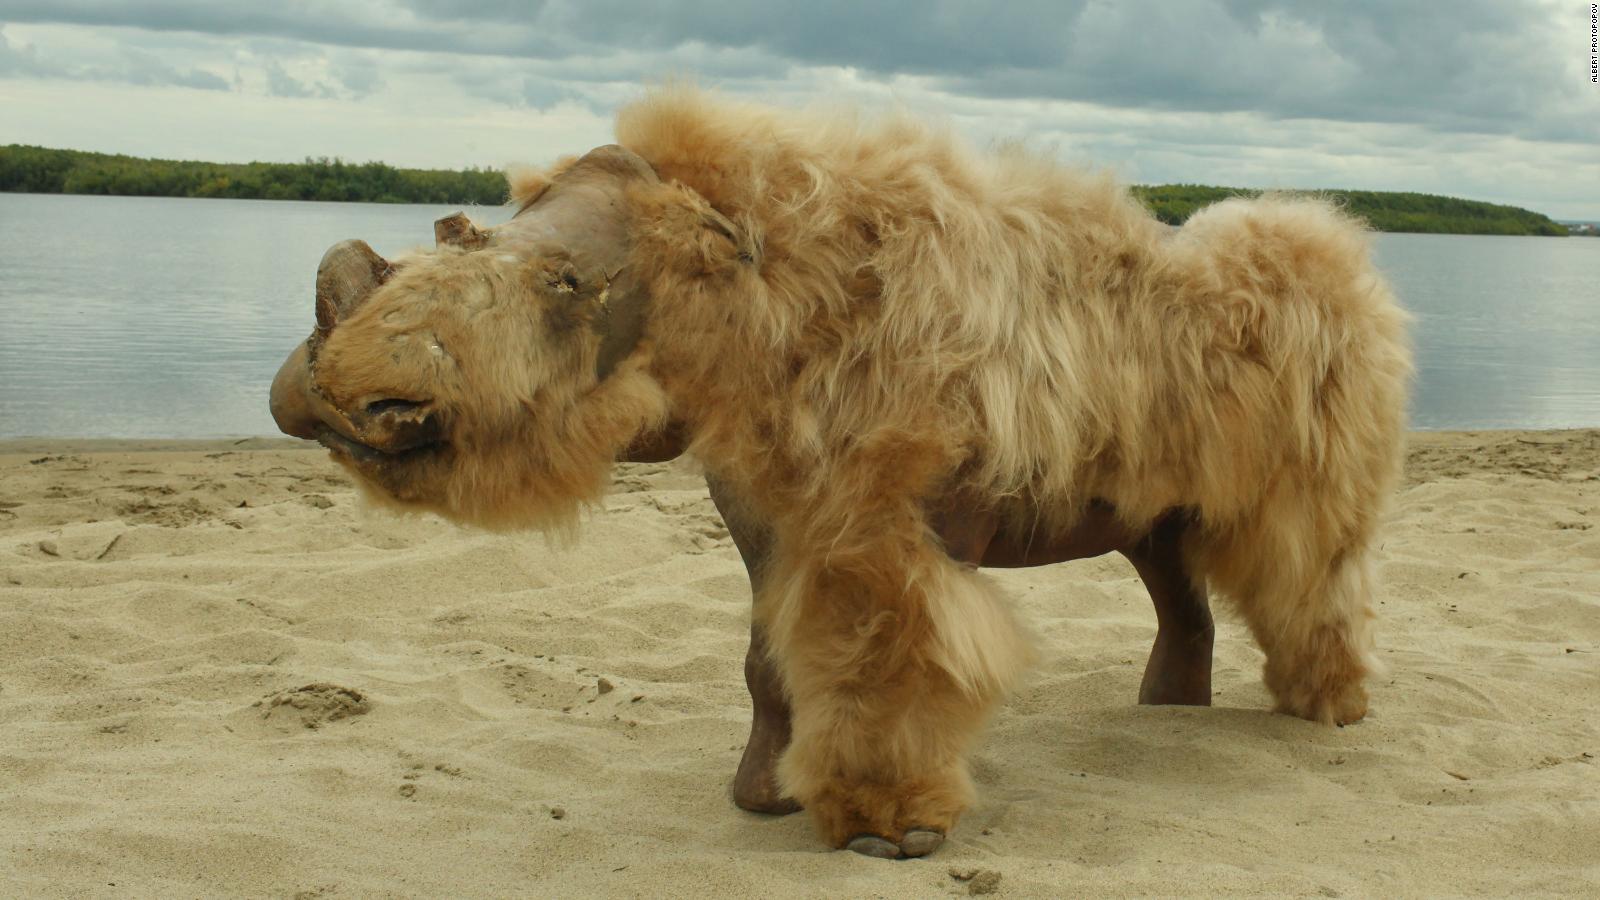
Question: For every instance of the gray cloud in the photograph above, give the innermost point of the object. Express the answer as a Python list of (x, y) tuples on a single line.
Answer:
[(1489, 65), (931, 36), (376, 24), (1493, 66), (20, 61), (359, 77), (129, 65), (281, 84), (1489, 99), (137, 67)]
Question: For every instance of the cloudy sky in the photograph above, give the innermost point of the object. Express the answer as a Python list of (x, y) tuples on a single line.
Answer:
[(1489, 99)]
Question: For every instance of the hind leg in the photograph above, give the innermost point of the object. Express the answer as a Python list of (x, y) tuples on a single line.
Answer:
[(1179, 670), (755, 785)]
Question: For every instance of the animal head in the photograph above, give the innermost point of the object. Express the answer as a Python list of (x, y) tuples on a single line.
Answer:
[(495, 379)]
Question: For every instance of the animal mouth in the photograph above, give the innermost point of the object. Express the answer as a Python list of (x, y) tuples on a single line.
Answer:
[(355, 450), (379, 407)]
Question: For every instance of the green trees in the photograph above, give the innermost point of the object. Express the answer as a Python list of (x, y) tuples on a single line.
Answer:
[(45, 171), (1383, 210)]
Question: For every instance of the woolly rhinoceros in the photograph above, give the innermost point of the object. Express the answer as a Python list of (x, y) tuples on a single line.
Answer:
[(898, 360)]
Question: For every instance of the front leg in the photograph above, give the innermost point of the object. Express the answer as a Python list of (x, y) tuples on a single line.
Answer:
[(893, 655), (755, 785)]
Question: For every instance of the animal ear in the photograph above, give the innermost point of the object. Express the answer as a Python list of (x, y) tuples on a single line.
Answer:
[(457, 230), (348, 274), (686, 234), (748, 250)]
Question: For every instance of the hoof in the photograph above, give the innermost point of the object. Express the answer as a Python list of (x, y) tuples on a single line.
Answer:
[(765, 800), (917, 842), (755, 787), (872, 845), (920, 842), (768, 806), (1341, 710)]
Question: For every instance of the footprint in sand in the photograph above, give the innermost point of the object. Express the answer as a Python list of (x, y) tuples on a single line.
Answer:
[(311, 706), (171, 515)]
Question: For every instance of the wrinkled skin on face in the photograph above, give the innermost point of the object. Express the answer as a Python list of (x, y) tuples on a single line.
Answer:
[(494, 379)]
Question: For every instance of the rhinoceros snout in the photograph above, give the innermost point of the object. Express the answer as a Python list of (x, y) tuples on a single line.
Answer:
[(290, 400), (348, 274)]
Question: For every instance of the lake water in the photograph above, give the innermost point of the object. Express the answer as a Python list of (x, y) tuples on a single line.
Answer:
[(157, 317)]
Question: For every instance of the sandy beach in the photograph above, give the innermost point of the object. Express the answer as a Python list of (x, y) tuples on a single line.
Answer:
[(221, 675)]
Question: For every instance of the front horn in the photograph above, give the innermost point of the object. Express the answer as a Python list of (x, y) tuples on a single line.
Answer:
[(348, 274)]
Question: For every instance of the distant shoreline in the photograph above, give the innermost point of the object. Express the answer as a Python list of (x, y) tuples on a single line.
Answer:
[(1389, 211), (44, 170)]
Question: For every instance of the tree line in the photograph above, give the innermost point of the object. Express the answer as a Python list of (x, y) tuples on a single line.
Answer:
[(1383, 210), (43, 170)]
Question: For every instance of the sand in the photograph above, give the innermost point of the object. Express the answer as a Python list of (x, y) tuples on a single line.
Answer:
[(221, 676)]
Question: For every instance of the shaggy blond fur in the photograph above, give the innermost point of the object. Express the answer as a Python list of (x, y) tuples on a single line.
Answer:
[(919, 313), (891, 316)]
